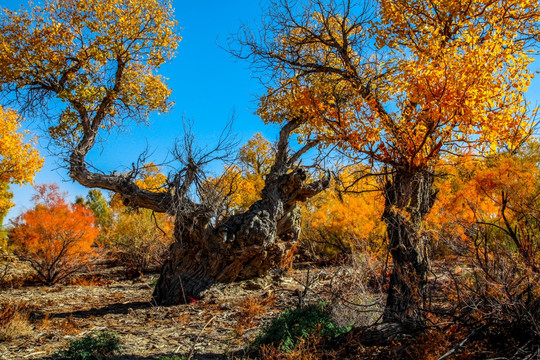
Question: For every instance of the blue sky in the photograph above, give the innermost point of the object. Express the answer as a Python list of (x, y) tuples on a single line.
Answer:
[(207, 83)]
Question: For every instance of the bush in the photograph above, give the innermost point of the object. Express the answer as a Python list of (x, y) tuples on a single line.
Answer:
[(173, 357), (140, 242), (289, 328), (54, 237), (97, 346)]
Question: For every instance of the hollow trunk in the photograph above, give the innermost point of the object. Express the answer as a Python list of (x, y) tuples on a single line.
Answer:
[(408, 198)]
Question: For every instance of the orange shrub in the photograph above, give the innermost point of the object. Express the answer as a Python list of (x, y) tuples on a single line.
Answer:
[(54, 237)]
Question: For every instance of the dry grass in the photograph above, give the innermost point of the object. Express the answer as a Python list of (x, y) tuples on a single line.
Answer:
[(250, 308), (352, 298), (69, 326), (14, 320), (46, 323), (87, 281), (310, 348)]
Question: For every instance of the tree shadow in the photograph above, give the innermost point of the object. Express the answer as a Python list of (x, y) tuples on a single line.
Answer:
[(196, 356), (116, 308)]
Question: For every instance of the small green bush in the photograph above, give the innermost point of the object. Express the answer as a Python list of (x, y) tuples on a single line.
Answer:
[(173, 357), (97, 346), (290, 327)]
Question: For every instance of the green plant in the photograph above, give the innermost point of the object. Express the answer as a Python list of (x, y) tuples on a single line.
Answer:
[(96, 346), (293, 325), (173, 357)]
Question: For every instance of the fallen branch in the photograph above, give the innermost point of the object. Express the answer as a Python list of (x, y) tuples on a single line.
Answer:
[(192, 351)]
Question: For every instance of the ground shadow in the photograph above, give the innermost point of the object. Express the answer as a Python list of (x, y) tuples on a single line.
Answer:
[(116, 308), (196, 356)]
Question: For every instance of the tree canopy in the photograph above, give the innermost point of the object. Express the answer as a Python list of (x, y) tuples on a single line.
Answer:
[(19, 160), (88, 67), (399, 81)]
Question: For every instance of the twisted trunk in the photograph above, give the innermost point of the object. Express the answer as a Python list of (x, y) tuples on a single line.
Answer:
[(247, 245), (408, 198)]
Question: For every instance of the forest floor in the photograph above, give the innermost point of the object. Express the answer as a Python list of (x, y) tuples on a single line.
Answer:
[(221, 326)]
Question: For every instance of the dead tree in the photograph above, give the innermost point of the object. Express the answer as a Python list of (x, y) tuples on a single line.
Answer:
[(244, 246)]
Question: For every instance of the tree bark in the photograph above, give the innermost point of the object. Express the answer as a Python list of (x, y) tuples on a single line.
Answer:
[(408, 198)]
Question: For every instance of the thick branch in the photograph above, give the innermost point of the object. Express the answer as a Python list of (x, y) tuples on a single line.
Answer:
[(132, 195)]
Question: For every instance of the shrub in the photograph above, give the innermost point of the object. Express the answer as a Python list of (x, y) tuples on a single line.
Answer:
[(97, 346), (294, 325), (54, 237), (173, 357), (139, 241)]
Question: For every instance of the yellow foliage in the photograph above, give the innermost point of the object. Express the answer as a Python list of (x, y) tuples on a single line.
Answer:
[(453, 74), (337, 221), (98, 57), (242, 185), (257, 155), (151, 178), (19, 160), (148, 178), (474, 192)]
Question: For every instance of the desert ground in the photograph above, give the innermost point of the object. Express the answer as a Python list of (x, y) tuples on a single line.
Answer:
[(220, 326)]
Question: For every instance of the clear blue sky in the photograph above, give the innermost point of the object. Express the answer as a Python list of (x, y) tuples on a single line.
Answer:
[(207, 83)]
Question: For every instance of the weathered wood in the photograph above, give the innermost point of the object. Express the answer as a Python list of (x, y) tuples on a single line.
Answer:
[(247, 245), (244, 246)]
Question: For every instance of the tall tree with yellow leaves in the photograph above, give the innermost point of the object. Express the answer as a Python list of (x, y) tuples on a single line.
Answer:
[(399, 84)]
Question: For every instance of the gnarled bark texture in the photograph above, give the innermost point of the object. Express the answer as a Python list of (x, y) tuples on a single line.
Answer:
[(246, 246), (408, 198)]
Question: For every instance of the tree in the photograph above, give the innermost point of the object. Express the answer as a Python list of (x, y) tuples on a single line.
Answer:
[(19, 161), (5, 201), (256, 155), (99, 206), (139, 238), (5, 204), (54, 237), (499, 192), (399, 84), (97, 61), (242, 184)]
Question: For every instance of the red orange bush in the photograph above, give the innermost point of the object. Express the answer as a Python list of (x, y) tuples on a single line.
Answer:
[(54, 237)]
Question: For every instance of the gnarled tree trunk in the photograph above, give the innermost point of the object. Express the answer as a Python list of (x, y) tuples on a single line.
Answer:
[(247, 245), (408, 198)]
